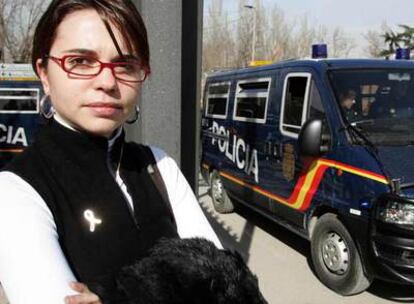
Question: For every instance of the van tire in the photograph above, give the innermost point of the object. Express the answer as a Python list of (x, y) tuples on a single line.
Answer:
[(219, 196), (335, 257)]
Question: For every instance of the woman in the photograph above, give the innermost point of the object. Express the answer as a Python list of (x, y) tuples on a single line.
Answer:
[(81, 203)]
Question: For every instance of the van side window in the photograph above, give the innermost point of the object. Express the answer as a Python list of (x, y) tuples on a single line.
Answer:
[(217, 99), (296, 90), (316, 110), (251, 100), (19, 100)]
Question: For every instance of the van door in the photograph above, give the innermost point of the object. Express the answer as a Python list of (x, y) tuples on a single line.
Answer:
[(248, 137), (286, 171), (216, 123)]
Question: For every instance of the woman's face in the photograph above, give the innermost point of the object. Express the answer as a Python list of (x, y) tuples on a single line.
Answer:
[(98, 104)]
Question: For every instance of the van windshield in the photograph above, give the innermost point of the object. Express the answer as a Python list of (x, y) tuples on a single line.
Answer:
[(379, 102)]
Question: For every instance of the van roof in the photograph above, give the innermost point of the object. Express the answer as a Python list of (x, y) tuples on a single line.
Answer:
[(322, 64)]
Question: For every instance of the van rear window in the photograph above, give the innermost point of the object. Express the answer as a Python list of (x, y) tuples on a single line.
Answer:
[(251, 100), (17, 100), (217, 99)]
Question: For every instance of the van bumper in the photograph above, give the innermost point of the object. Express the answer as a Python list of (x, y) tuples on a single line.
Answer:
[(393, 250)]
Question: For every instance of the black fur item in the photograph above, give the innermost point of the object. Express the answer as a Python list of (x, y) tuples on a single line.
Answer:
[(180, 271)]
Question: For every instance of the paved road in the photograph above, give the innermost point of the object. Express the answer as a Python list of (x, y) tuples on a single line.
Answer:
[(280, 260)]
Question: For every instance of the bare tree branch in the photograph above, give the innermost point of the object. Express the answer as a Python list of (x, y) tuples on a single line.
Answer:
[(376, 41), (18, 19), (228, 43)]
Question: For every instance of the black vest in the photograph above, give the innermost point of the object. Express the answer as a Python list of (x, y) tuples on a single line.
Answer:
[(70, 172)]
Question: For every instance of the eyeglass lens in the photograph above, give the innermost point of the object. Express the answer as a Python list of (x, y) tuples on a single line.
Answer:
[(89, 66)]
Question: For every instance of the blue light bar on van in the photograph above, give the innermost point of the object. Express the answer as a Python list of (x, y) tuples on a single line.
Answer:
[(319, 51), (402, 53)]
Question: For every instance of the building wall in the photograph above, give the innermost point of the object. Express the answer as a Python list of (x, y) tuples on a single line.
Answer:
[(169, 99), (160, 103)]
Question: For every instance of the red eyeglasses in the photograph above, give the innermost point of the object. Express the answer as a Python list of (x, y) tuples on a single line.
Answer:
[(130, 71)]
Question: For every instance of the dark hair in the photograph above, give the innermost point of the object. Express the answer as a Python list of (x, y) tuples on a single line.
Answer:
[(347, 94), (190, 271), (122, 13)]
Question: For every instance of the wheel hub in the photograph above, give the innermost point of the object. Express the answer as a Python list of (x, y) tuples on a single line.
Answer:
[(217, 189), (335, 253)]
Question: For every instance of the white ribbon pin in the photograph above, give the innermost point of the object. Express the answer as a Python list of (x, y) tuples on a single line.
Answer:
[(93, 221)]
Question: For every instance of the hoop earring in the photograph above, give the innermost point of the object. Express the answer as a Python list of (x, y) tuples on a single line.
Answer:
[(46, 107), (136, 116)]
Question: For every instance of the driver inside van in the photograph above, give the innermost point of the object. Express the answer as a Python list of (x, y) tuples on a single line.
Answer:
[(347, 102)]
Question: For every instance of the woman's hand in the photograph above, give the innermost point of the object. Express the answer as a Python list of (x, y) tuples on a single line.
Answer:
[(85, 297)]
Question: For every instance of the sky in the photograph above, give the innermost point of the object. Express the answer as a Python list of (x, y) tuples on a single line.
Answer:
[(355, 17)]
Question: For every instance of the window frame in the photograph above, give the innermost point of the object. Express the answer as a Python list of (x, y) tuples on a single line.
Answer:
[(260, 95), (36, 98), (308, 76), (208, 95)]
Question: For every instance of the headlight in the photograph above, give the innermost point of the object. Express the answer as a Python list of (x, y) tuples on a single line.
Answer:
[(399, 213)]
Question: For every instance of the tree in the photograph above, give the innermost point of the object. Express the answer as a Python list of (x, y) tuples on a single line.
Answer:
[(261, 30), (395, 39), (218, 41), (244, 34), (375, 43), (341, 45), (18, 19), (407, 36), (302, 41), (278, 36), (227, 46)]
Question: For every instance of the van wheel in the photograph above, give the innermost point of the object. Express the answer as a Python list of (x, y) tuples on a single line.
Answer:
[(335, 257), (221, 201)]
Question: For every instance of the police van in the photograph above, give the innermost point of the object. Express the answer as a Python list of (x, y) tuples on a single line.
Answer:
[(20, 94), (324, 148)]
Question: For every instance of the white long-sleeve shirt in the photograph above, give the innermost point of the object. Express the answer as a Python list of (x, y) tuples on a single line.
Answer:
[(33, 269)]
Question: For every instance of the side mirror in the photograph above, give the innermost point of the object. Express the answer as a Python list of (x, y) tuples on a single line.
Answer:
[(310, 138)]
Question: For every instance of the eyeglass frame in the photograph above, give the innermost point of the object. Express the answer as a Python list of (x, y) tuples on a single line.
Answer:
[(111, 65)]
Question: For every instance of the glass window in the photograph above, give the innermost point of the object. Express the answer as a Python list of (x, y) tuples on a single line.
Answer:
[(251, 100), (19, 100), (218, 89), (381, 104), (316, 110), (217, 100), (295, 97), (251, 107), (217, 106)]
